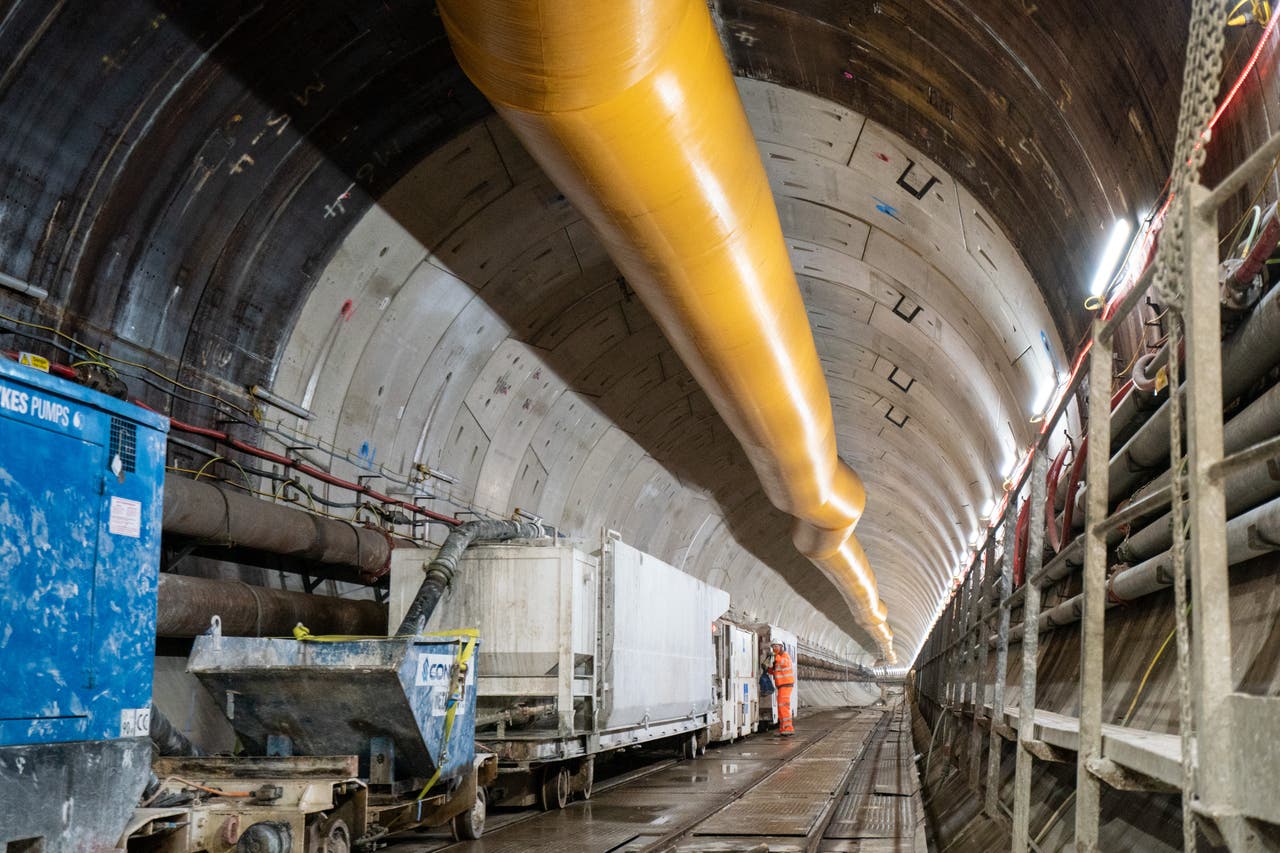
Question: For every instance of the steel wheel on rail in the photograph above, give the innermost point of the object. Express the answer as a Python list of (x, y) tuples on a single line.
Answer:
[(469, 825), (337, 838), (554, 793)]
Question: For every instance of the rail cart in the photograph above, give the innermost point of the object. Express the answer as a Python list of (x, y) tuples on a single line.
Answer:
[(585, 652)]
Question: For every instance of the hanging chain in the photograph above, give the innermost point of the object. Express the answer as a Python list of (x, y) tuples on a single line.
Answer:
[(1200, 79), (1177, 464)]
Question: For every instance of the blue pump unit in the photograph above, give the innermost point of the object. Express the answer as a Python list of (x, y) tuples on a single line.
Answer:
[(81, 475)]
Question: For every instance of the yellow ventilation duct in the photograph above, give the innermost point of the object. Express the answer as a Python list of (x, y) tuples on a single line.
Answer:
[(630, 107)]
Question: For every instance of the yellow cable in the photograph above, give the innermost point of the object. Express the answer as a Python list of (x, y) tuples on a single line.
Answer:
[(459, 674), (104, 358), (1143, 683), (95, 363), (205, 466)]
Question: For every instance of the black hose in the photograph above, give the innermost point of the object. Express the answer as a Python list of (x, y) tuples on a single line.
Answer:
[(440, 570), (167, 739)]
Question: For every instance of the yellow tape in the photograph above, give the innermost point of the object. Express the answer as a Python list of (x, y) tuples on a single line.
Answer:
[(302, 634), (463, 658)]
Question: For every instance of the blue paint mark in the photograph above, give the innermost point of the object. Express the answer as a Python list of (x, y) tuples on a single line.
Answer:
[(887, 209), (1053, 358), (368, 454)]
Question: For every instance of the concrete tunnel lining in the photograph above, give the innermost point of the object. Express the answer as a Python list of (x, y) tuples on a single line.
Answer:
[(422, 350)]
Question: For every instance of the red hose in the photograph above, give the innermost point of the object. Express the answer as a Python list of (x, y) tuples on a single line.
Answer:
[(315, 473), (217, 435), (1020, 544), (1073, 486), (1051, 495), (1077, 473)]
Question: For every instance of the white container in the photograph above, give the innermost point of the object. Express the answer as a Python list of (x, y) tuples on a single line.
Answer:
[(770, 634), (547, 613), (739, 682)]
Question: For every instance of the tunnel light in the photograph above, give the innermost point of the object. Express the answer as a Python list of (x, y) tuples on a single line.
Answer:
[(988, 509), (1044, 400), (1110, 257)]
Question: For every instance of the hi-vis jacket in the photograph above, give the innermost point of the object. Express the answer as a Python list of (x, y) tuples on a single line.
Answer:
[(783, 670)]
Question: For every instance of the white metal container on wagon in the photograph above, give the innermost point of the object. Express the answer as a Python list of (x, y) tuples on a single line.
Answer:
[(583, 652), (737, 682), (770, 634)]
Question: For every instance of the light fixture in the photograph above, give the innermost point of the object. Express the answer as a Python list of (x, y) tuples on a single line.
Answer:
[(1044, 402), (988, 509), (1110, 257)]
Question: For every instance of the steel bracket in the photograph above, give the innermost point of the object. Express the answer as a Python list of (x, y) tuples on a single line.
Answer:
[(1049, 752), (1125, 779)]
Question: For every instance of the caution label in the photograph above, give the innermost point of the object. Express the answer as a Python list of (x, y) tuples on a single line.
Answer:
[(126, 517)]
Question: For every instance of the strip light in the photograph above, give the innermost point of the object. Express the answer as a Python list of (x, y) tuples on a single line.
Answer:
[(1110, 257)]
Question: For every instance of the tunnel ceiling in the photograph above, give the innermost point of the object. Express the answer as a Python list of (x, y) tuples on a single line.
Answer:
[(194, 187)]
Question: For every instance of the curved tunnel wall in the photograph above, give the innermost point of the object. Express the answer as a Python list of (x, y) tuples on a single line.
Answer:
[(182, 178), (487, 335)]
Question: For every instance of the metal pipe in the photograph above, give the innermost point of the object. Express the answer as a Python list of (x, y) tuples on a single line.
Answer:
[(521, 715), (1245, 488), (1242, 277), (439, 572), (187, 604), (204, 511), (281, 403), (1247, 355), (1251, 535), (631, 109), (17, 284)]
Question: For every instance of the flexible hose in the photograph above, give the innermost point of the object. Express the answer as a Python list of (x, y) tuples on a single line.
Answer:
[(167, 739), (1073, 486), (439, 571), (1051, 495), (630, 108)]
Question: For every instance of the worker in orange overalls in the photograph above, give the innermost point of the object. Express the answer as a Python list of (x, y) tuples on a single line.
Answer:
[(783, 672)]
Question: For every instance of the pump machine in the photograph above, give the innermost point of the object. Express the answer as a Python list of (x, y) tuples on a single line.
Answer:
[(80, 508)]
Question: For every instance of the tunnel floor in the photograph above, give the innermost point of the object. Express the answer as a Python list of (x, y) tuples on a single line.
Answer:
[(845, 782)]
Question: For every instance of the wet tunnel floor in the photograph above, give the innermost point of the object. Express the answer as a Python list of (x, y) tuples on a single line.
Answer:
[(846, 782)]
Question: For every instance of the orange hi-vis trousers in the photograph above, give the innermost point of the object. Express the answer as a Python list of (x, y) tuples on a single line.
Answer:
[(784, 710)]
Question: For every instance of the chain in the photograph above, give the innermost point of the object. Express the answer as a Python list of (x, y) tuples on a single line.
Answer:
[(1178, 558), (1200, 80)]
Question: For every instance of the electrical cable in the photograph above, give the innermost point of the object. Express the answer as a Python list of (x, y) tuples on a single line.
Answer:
[(315, 473), (98, 354)]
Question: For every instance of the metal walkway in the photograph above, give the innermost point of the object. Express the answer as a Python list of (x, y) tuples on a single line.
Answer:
[(846, 782)]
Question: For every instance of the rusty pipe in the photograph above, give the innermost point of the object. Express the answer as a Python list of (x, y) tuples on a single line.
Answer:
[(187, 604), (204, 511), (630, 107)]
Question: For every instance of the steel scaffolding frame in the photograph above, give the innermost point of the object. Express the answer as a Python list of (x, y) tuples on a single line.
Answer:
[(1226, 761)]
